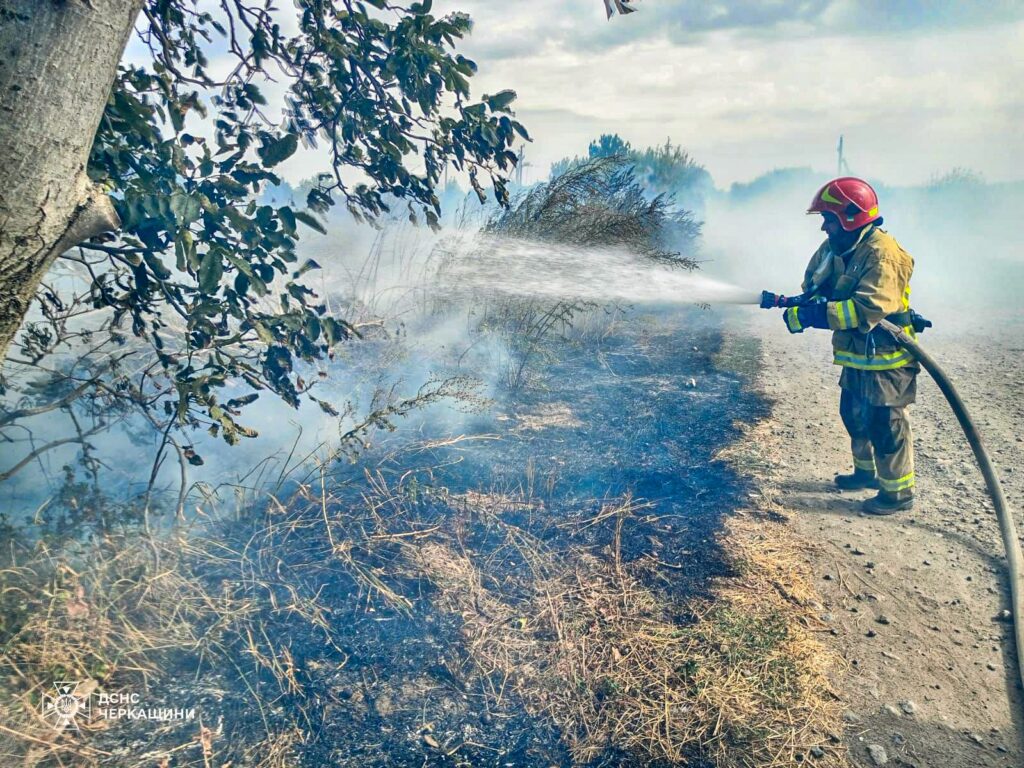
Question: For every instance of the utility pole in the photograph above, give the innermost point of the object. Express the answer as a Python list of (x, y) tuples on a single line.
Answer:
[(520, 164), (841, 165)]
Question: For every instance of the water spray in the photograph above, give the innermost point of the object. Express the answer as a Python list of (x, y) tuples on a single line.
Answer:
[(502, 266), (1011, 544)]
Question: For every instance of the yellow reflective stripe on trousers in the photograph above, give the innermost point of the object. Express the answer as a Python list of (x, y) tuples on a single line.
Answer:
[(864, 463), (881, 362), (900, 484)]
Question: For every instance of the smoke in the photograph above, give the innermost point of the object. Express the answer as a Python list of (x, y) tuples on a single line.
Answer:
[(961, 232), (433, 310), (421, 301)]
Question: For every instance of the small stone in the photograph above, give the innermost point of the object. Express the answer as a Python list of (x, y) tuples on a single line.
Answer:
[(871, 633), (851, 717), (692, 383), (908, 707), (1003, 615), (858, 551), (827, 577), (877, 754), (889, 709), (976, 738), (869, 564), (817, 753), (991, 667), (883, 619)]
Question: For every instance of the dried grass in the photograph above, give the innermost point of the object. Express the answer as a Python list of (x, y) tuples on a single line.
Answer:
[(579, 636), (591, 648), (101, 614)]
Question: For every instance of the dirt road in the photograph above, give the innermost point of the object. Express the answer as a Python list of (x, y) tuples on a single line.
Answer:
[(910, 600)]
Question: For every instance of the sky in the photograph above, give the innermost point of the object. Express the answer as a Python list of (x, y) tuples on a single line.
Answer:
[(916, 87)]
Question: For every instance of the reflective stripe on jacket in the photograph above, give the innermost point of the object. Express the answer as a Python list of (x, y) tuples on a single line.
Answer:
[(863, 286)]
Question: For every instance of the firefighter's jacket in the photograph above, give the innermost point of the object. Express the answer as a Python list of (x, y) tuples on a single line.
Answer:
[(868, 283)]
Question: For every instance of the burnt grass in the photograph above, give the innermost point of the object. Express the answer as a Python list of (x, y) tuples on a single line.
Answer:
[(392, 687)]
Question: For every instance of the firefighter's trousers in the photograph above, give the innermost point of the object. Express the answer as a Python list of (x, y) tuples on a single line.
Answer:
[(873, 407)]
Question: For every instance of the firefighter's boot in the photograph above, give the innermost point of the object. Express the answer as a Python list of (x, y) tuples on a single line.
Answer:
[(857, 480), (886, 503)]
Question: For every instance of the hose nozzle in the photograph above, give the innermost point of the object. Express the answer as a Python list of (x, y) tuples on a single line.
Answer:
[(771, 300)]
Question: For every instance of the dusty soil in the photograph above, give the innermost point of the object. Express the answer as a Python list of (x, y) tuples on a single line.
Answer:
[(909, 601)]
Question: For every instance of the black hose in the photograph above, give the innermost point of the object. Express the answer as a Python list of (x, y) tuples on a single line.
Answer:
[(1014, 558)]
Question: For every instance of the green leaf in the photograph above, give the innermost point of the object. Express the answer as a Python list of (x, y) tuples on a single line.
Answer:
[(307, 265), (185, 208), (241, 265), (287, 219), (156, 266), (210, 271), (500, 101), (263, 332), (326, 407), (310, 221), (238, 402), (521, 130), (276, 151)]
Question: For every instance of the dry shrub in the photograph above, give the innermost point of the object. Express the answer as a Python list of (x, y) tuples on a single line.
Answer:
[(597, 203), (600, 202)]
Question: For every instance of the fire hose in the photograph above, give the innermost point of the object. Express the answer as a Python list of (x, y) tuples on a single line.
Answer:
[(1014, 557)]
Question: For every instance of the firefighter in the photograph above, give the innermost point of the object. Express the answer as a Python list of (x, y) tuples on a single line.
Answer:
[(859, 276)]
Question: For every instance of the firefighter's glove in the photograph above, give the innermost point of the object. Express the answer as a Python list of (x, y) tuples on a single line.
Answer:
[(806, 316)]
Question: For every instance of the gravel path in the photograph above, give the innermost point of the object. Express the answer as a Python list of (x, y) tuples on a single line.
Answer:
[(911, 600)]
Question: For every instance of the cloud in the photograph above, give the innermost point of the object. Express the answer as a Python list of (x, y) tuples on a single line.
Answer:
[(504, 30), (749, 86), (880, 17), (917, 87)]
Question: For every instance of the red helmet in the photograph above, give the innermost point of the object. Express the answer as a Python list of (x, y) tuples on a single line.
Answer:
[(852, 200)]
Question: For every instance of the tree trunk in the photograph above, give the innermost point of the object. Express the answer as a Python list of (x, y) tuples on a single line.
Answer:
[(58, 59)]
